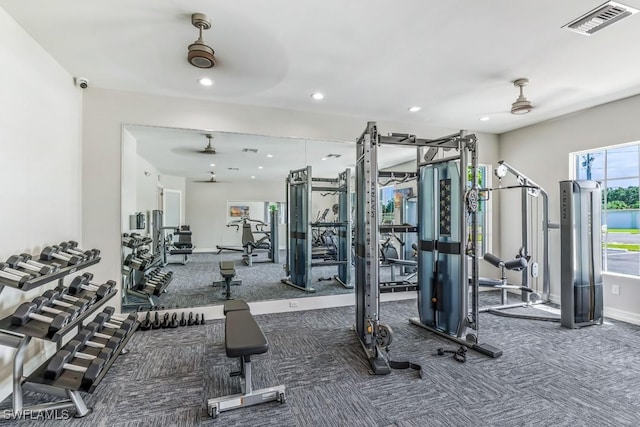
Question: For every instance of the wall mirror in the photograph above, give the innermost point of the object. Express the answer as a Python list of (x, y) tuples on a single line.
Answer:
[(193, 198)]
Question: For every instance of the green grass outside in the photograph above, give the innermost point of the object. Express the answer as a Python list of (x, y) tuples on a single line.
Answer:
[(624, 230), (633, 247)]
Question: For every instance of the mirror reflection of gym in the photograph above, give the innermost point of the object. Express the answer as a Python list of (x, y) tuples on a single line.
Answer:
[(178, 202)]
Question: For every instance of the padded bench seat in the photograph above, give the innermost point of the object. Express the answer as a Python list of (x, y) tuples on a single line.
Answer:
[(243, 338), (227, 268), (235, 305), (180, 251), (242, 335)]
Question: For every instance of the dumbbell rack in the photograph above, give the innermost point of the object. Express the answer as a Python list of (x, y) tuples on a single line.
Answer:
[(131, 277), (19, 337), (48, 278)]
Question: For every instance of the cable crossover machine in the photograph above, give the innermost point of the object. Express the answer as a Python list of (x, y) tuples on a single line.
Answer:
[(447, 241), (300, 185)]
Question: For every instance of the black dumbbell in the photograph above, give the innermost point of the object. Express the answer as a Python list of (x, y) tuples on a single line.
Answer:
[(19, 261), (64, 294), (5, 266), (44, 306), (99, 330), (135, 263), (27, 258), (60, 363), (53, 252), (183, 320), (106, 321), (72, 248), (190, 321), (75, 346), (54, 298), (174, 321), (14, 275), (202, 319), (66, 248), (91, 330), (80, 283), (160, 273), (132, 317), (156, 324), (165, 321), (145, 325), (28, 311)]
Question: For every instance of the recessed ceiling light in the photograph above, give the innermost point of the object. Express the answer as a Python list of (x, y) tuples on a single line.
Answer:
[(205, 81), (485, 118), (269, 155), (324, 158), (415, 109), (317, 96), (212, 164), (259, 167), (253, 177)]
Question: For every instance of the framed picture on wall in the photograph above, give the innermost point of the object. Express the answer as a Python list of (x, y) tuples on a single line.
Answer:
[(238, 211)]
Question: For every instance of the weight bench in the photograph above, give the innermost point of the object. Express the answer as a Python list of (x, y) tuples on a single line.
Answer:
[(228, 272), (243, 338)]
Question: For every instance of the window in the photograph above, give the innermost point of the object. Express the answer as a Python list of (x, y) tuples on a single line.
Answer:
[(618, 171), (483, 209)]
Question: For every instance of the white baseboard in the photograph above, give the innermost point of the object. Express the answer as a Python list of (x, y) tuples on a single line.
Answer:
[(294, 304), (624, 316)]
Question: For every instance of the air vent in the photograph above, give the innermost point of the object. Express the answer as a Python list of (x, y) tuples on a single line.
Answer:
[(600, 17), (234, 169), (334, 155), (250, 150)]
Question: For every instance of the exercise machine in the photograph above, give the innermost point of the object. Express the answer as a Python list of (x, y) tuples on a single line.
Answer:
[(182, 246), (524, 261), (580, 254), (447, 241), (249, 242), (300, 258)]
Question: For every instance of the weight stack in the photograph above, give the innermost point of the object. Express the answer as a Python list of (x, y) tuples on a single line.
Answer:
[(580, 253)]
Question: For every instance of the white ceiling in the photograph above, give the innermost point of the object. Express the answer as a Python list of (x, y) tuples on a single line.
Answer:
[(176, 152), (372, 58)]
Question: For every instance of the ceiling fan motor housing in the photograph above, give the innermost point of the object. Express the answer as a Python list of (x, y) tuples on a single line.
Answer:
[(200, 54)]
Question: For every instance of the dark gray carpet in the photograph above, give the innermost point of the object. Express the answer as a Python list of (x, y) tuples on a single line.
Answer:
[(547, 376), (192, 283)]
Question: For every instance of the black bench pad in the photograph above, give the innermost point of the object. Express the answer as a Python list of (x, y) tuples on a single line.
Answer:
[(235, 305), (403, 262), (243, 336), (180, 252)]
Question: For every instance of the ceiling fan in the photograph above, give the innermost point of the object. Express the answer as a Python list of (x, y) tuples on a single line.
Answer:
[(212, 179), (209, 149)]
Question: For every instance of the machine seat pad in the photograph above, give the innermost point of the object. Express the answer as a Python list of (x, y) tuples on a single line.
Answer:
[(180, 252), (488, 282), (404, 262), (242, 335), (235, 305), (227, 273)]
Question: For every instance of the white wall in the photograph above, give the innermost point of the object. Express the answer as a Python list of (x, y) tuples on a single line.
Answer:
[(129, 175), (40, 166), (206, 209), (147, 179), (542, 152)]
